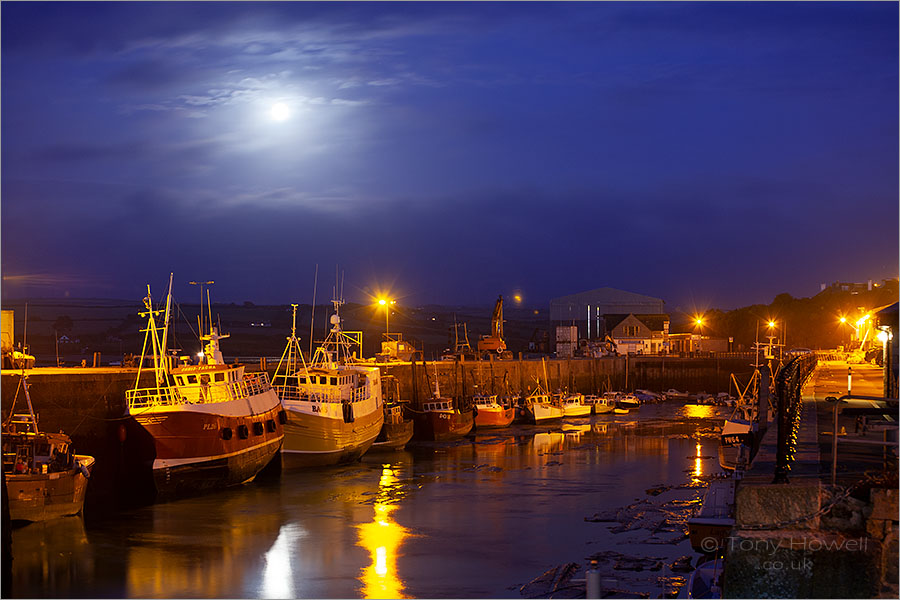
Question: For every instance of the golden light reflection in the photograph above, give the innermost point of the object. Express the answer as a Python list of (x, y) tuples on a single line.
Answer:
[(382, 538), (699, 411), (698, 463)]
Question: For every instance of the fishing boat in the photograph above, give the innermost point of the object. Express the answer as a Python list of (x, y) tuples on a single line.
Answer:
[(715, 518), (333, 405), (397, 430), (628, 401), (45, 479), (573, 405), (540, 405), (441, 419), (208, 425), (490, 414), (740, 430), (599, 404)]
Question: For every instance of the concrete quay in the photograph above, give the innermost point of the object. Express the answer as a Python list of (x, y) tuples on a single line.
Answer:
[(807, 538)]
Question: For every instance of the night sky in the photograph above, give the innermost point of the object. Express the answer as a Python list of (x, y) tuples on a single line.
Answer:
[(709, 154)]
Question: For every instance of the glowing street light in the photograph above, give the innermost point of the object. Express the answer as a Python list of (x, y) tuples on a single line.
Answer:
[(386, 303)]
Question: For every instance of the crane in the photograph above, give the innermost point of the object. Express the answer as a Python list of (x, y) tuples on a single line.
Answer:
[(494, 342)]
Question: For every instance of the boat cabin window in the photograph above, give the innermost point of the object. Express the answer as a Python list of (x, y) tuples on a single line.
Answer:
[(192, 379), (220, 376), (302, 379), (334, 381), (179, 380)]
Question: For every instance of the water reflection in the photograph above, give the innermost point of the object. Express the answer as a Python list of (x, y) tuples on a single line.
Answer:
[(382, 538), (277, 577), (698, 463), (51, 559), (699, 411)]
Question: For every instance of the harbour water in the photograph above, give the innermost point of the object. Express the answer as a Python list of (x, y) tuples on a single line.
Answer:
[(476, 518)]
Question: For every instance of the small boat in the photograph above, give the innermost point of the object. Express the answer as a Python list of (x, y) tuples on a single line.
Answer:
[(715, 518), (442, 419), (599, 405), (45, 479), (490, 414), (646, 396), (333, 405), (628, 401), (706, 580), (573, 405), (397, 430), (739, 435), (620, 411), (673, 394), (540, 406), (205, 426)]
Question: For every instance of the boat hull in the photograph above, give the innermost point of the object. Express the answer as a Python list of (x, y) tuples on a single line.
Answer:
[(703, 531), (197, 447), (314, 440), (394, 436), (577, 411), (436, 426), (43, 496), (488, 418), (541, 413)]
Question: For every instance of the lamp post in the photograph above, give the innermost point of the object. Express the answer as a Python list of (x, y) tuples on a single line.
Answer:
[(386, 303), (698, 321)]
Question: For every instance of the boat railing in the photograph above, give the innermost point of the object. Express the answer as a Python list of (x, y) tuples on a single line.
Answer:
[(334, 395), (250, 385)]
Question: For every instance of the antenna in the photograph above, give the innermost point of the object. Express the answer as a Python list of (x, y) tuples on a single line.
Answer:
[(312, 319)]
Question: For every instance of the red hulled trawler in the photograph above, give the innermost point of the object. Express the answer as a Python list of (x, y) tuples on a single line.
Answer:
[(210, 425)]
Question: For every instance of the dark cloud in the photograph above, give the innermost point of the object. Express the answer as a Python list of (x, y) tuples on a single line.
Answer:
[(458, 149)]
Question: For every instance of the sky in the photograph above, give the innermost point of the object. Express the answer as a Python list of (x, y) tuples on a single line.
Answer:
[(709, 154)]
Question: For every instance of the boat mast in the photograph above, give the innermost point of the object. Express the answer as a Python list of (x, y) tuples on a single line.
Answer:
[(165, 339)]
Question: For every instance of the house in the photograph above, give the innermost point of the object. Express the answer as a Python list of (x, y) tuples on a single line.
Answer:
[(639, 333), (585, 310)]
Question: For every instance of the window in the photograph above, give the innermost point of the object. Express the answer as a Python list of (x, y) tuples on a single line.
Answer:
[(631, 330), (220, 376), (302, 379), (192, 379), (334, 381)]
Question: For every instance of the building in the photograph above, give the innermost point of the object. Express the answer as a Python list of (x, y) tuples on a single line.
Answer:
[(638, 334), (585, 310)]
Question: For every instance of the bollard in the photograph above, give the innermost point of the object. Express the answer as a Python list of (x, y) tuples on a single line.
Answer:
[(592, 581)]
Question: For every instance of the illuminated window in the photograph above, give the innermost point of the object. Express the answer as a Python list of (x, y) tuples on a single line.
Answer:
[(192, 379)]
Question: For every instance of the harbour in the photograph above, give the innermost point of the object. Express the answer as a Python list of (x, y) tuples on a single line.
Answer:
[(479, 517), (449, 300)]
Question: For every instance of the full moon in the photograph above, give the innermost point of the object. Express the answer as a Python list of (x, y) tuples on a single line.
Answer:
[(280, 112)]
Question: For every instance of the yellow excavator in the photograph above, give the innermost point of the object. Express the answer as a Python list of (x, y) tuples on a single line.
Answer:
[(494, 341)]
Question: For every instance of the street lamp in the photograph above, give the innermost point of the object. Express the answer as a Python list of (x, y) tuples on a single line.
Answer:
[(386, 303)]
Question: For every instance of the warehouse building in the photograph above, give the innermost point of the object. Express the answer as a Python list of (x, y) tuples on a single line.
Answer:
[(585, 310)]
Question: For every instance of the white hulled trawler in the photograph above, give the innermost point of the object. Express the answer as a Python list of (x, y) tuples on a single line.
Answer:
[(333, 405)]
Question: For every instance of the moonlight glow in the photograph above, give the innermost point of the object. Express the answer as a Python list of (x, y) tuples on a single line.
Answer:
[(280, 112)]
